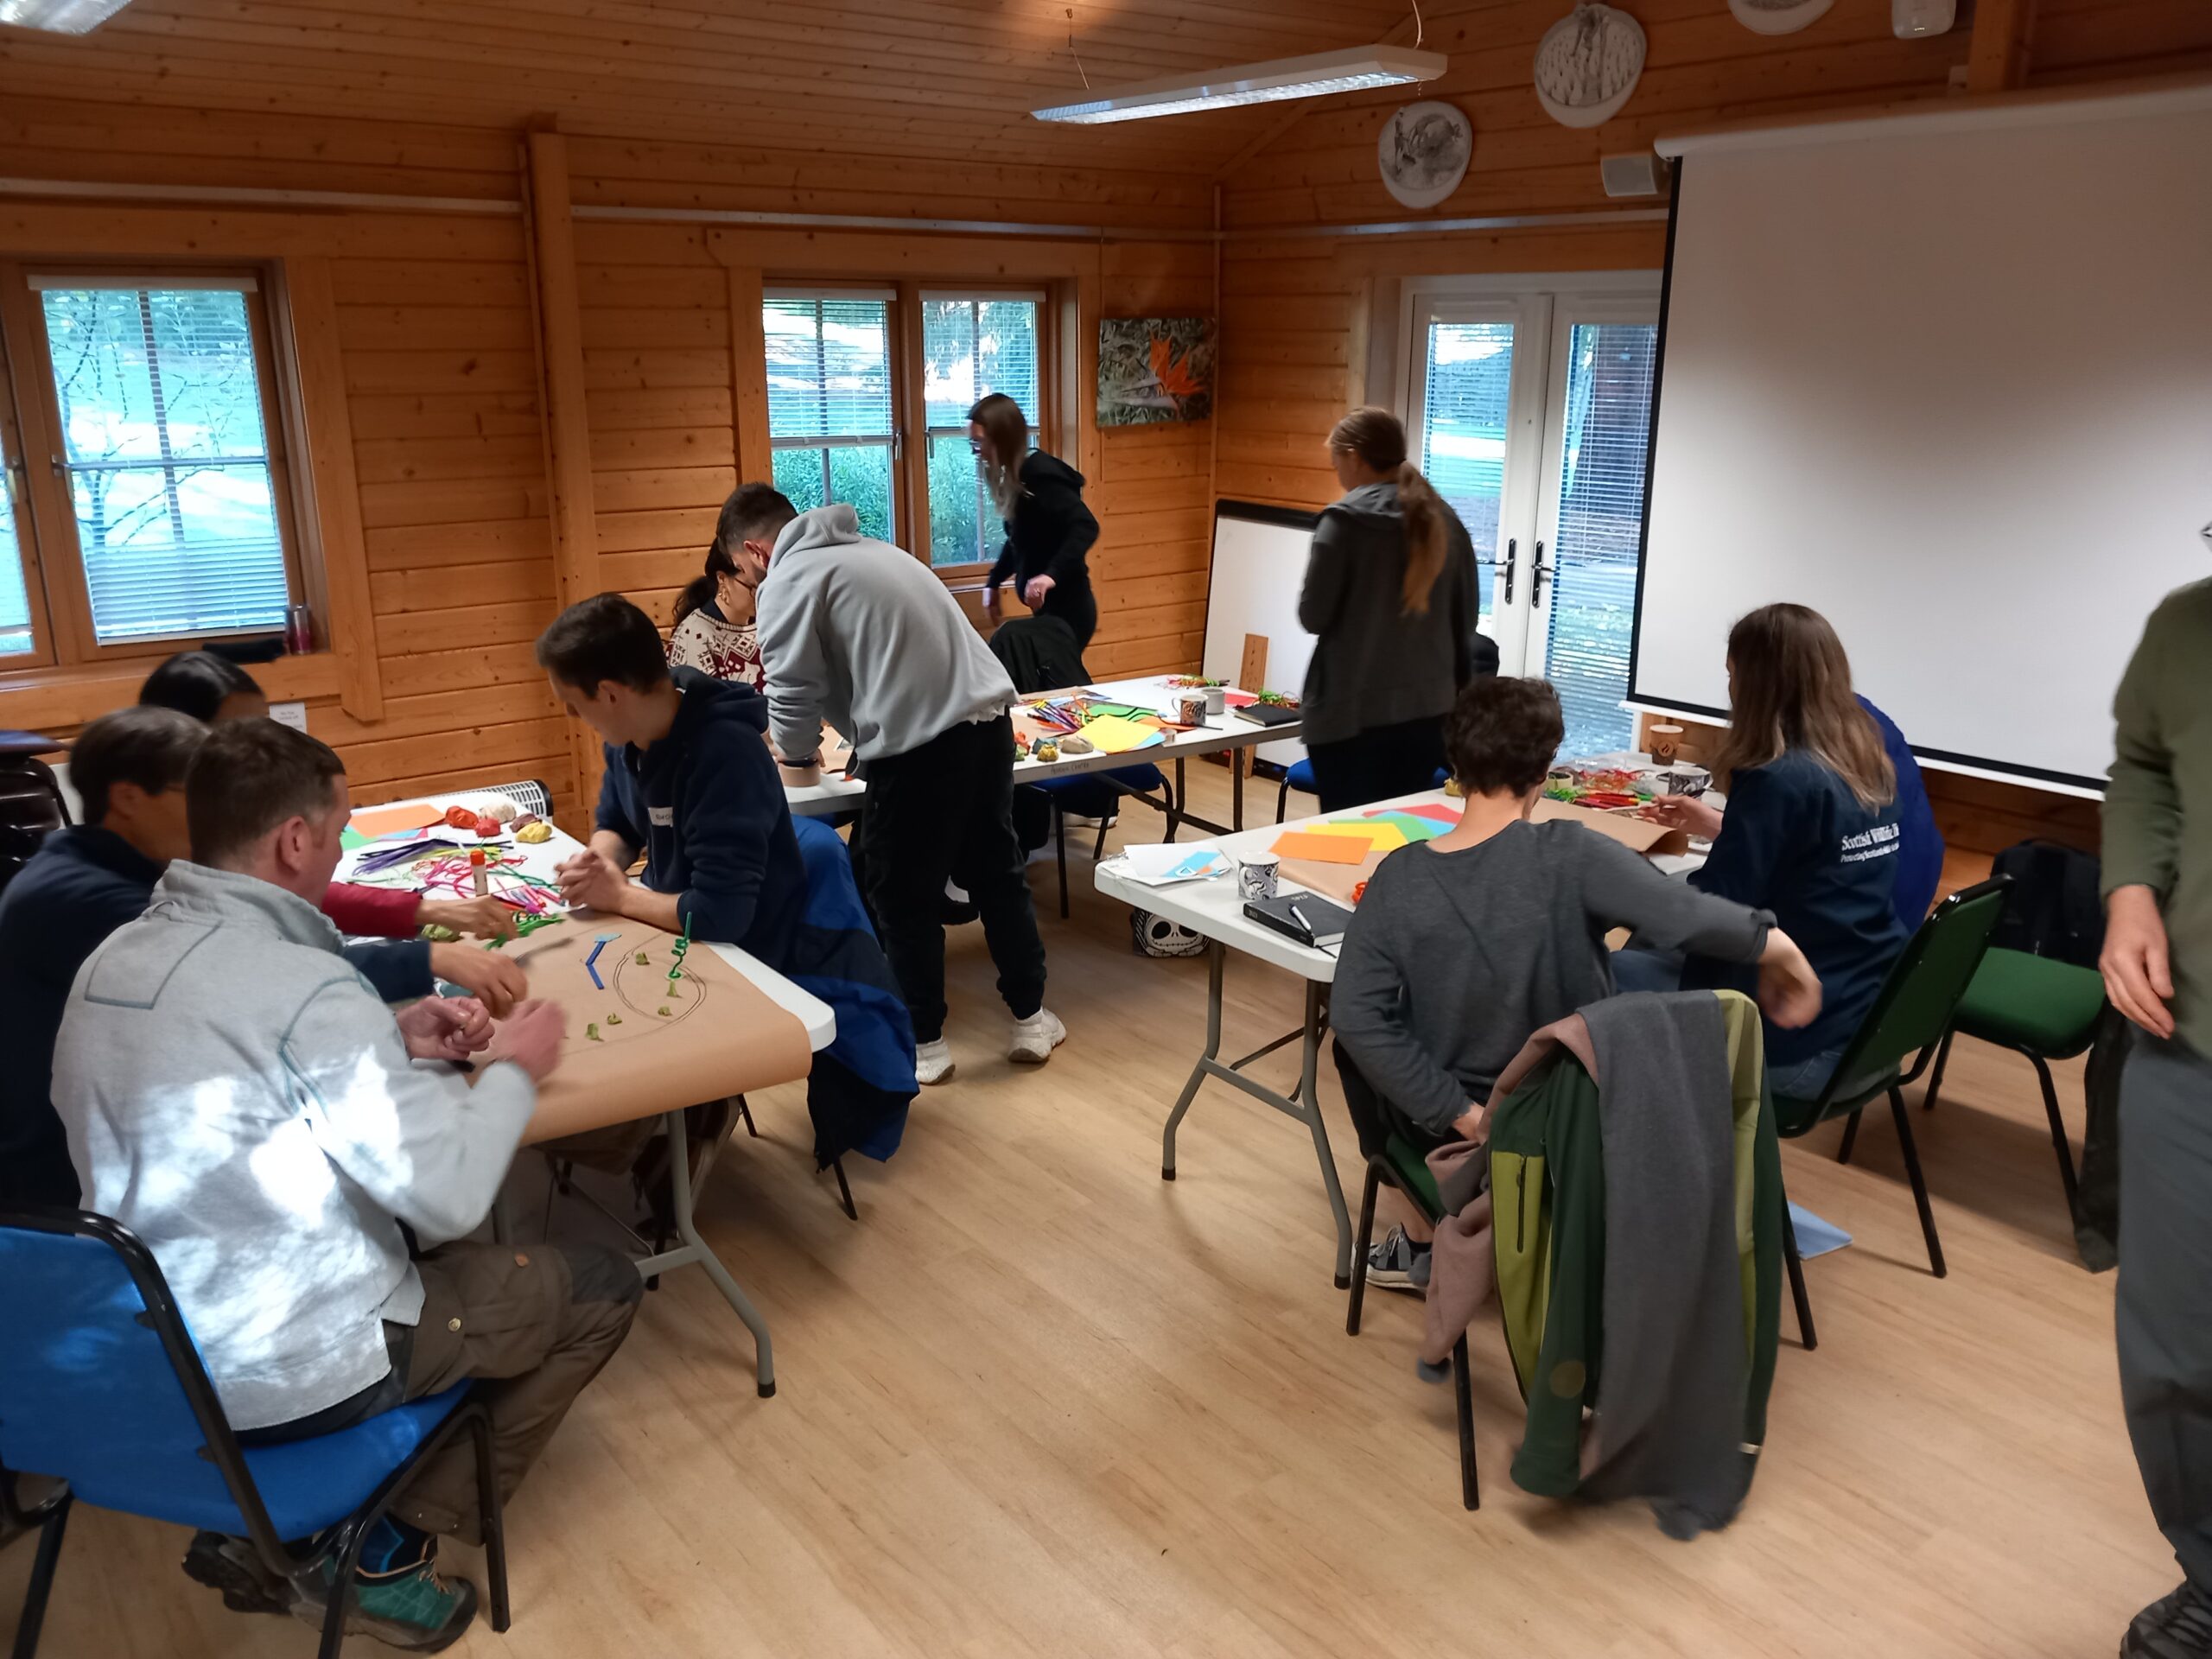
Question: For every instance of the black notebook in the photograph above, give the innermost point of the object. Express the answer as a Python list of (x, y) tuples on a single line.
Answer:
[(1266, 714), (1305, 917)]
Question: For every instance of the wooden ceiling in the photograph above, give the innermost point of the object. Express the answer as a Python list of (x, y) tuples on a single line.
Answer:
[(945, 79)]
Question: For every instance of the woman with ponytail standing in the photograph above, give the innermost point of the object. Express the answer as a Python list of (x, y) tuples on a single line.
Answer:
[(1049, 531), (1391, 601), (714, 630)]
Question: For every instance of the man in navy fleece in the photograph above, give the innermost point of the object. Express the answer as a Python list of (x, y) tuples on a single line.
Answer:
[(689, 782)]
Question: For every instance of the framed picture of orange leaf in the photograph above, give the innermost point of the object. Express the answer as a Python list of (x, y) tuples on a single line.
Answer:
[(1154, 369)]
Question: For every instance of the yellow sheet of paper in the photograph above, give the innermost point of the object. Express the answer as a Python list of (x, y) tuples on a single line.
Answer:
[(1321, 849), (1383, 837), (1112, 735)]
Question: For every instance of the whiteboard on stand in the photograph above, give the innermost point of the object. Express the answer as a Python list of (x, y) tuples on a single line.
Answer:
[(1259, 564)]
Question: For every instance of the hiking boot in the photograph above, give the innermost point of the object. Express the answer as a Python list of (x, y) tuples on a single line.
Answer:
[(2179, 1626), (409, 1607), (1035, 1038), (1398, 1263), (235, 1567), (933, 1061)]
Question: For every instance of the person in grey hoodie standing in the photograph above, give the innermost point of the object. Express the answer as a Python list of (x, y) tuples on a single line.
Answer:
[(864, 635), (1049, 532), (1391, 600)]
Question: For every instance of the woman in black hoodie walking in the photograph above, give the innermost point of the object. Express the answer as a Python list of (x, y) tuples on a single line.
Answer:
[(1049, 531), (1390, 599)]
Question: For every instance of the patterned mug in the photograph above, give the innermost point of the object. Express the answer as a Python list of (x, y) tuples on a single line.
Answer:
[(1256, 877)]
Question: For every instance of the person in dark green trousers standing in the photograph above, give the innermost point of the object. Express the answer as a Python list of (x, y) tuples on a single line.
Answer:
[(2158, 969)]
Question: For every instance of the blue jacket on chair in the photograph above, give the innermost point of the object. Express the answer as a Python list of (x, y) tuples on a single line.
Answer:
[(864, 1081)]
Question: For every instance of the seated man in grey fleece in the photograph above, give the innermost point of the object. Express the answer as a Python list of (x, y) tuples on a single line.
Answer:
[(1465, 945)]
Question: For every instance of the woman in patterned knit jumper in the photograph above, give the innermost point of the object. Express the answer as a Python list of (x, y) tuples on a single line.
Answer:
[(714, 630)]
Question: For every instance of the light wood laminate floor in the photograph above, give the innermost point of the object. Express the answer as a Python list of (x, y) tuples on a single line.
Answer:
[(1038, 1402)]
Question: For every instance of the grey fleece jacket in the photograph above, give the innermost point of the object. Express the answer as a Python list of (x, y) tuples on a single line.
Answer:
[(1373, 665), (862, 634), (237, 1096), (1452, 959)]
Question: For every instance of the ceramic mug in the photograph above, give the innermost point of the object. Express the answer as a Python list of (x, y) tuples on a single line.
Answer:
[(1255, 879), (1216, 700), (1191, 711)]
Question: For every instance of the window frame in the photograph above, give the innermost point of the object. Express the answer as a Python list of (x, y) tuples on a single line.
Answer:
[(31, 423), (910, 427), (890, 440)]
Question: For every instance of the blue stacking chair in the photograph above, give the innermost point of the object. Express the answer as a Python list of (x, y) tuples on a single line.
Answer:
[(102, 1388)]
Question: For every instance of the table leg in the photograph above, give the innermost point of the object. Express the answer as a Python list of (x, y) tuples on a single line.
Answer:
[(1179, 808), (1237, 758), (695, 1248), (1305, 1105)]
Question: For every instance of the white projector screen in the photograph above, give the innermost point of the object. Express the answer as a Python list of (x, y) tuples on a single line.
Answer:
[(1947, 378)]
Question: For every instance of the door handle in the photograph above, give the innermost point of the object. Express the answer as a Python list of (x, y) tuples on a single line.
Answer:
[(1512, 556), (1536, 576)]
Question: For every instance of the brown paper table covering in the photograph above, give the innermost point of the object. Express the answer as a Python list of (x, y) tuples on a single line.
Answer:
[(721, 1035)]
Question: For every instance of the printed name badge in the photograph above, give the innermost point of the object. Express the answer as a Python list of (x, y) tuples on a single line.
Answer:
[(661, 817)]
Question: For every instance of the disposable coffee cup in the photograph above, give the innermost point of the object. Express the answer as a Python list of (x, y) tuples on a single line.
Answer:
[(1216, 700), (1256, 877), (1666, 743)]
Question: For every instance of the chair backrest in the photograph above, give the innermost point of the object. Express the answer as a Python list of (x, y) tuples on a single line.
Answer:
[(99, 1380), (31, 808), (1914, 1008), (1039, 653)]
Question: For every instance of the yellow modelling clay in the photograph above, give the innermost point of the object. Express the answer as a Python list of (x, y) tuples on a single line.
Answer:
[(535, 833)]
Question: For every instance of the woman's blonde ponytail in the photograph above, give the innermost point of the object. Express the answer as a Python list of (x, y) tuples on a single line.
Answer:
[(1376, 437)]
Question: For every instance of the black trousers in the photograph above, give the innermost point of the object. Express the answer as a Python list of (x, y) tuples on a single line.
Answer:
[(1375, 1118), (1379, 763), (2165, 1274), (945, 811), (1078, 608)]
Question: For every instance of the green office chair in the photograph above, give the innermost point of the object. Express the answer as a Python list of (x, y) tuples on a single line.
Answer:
[(2044, 1009), (1907, 1021)]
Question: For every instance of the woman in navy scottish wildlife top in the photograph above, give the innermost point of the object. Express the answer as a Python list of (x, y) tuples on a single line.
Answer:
[(1811, 833)]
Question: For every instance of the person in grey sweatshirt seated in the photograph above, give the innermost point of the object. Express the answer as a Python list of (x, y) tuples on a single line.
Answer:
[(863, 634), (235, 1095), (1464, 946)]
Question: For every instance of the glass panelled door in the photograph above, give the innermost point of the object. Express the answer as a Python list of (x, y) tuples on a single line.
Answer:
[(1531, 415), (1590, 521)]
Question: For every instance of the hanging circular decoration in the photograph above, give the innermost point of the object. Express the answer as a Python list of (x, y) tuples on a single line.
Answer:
[(1423, 150), (1779, 16), (1588, 64)]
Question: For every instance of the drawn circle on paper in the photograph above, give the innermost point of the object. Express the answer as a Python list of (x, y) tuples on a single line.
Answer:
[(1779, 16), (1423, 151), (1588, 63), (644, 991)]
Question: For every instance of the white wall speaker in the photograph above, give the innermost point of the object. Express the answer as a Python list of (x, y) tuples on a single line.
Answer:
[(1634, 172), (1909, 19)]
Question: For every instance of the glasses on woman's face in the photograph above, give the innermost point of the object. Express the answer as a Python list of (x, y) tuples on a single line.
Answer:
[(976, 447)]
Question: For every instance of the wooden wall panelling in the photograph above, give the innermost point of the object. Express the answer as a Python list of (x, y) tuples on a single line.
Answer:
[(1996, 58), (566, 413), (334, 518)]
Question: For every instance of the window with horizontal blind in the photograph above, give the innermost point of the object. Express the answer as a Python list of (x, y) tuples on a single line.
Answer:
[(832, 427), (972, 347), (146, 498)]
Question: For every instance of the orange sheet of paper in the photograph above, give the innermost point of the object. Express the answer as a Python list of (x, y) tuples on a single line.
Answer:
[(374, 820), (1382, 837), (1321, 849)]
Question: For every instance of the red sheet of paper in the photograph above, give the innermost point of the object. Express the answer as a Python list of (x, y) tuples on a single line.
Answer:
[(1239, 699)]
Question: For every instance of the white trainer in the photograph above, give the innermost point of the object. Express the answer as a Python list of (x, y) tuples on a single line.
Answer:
[(932, 1062), (1035, 1038)]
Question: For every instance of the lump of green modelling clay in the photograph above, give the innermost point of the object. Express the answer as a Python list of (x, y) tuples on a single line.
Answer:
[(614, 1019)]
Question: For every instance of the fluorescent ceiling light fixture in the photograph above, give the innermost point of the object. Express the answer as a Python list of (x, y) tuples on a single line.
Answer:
[(59, 16), (1354, 69)]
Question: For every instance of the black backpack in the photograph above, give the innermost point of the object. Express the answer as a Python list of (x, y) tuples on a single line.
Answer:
[(2054, 909)]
